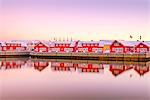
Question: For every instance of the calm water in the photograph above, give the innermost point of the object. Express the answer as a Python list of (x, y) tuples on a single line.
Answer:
[(35, 79)]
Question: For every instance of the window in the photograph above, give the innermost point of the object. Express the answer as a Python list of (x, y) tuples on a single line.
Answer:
[(36, 49), (80, 49), (127, 49), (67, 45), (88, 44), (118, 50), (113, 49), (11, 48), (85, 49), (97, 49), (116, 44), (4, 48), (143, 50), (8, 44), (84, 44), (100, 49), (55, 49), (141, 45), (92, 44), (42, 49), (68, 49), (131, 49)]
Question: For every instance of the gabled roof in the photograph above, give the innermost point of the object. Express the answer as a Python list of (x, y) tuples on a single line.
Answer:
[(146, 43), (141, 70), (105, 42), (72, 43), (128, 43), (46, 43), (87, 42), (2, 43), (33, 42), (14, 42), (22, 42), (100, 43)]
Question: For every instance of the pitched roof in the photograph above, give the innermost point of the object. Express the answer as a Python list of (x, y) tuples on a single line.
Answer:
[(17, 42), (101, 42), (33, 41), (105, 42), (87, 42), (72, 43), (46, 43), (146, 43), (2, 43), (128, 43)]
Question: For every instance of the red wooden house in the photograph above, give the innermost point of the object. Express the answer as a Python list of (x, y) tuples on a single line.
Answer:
[(141, 70), (142, 47), (121, 46), (62, 66), (118, 69), (63, 46), (89, 46), (13, 46), (40, 65), (90, 67), (31, 44), (42, 46)]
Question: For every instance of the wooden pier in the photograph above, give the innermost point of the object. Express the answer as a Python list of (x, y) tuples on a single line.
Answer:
[(10, 54)]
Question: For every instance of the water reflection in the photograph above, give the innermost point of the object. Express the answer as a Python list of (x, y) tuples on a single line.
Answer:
[(141, 70), (116, 68), (12, 63), (89, 67), (40, 65), (63, 66), (54, 79)]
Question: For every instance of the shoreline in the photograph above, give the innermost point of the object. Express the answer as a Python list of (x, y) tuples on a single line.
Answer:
[(74, 61), (79, 56)]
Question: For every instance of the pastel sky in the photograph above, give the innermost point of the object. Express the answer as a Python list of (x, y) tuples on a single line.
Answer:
[(79, 19)]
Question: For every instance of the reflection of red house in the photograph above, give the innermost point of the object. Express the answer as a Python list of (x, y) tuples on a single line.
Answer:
[(90, 67), (118, 69), (75, 65), (142, 47), (141, 70), (122, 46), (62, 66), (41, 47), (12, 64), (40, 65), (89, 46)]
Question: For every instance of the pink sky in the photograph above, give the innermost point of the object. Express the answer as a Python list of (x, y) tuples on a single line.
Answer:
[(86, 20)]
